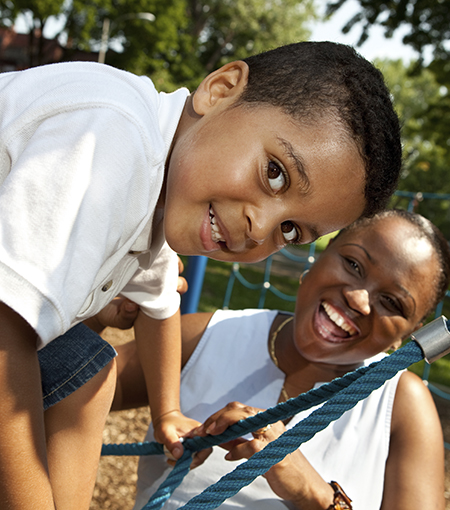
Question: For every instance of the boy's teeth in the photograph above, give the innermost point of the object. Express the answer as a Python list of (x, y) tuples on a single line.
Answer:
[(338, 319), (216, 234)]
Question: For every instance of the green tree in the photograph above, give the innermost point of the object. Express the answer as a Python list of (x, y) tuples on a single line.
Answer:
[(426, 159), (187, 39), (427, 21), (428, 29), (190, 38)]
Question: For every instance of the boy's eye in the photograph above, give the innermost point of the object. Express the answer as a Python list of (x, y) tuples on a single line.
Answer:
[(276, 176), (290, 233)]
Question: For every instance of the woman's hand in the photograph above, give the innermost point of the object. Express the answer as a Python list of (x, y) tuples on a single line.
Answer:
[(292, 479), (119, 313), (182, 285)]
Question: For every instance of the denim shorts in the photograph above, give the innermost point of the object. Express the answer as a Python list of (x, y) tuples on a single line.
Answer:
[(70, 361)]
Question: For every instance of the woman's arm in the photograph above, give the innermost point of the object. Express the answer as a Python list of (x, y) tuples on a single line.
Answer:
[(415, 467), (293, 479)]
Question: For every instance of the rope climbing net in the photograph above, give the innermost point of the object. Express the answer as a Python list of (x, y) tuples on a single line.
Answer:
[(337, 397)]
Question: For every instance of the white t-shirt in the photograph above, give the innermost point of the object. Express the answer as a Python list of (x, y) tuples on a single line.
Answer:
[(82, 153), (232, 363)]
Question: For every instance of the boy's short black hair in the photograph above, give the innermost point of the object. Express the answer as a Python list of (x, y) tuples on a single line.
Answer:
[(309, 79), (425, 229)]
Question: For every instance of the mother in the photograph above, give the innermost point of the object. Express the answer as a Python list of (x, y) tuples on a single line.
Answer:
[(370, 289)]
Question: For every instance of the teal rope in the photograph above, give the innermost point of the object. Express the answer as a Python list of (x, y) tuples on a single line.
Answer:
[(275, 451), (347, 391), (282, 411)]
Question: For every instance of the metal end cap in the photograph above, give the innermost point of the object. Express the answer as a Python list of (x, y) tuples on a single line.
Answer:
[(434, 339)]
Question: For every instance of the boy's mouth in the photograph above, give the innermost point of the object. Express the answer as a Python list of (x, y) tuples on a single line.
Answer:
[(341, 325), (216, 233)]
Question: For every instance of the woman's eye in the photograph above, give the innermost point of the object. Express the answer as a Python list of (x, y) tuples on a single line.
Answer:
[(290, 232), (392, 305), (276, 176), (353, 264)]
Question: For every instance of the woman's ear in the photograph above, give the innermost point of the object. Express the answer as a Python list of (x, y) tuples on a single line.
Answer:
[(227, 83), (396, 345)]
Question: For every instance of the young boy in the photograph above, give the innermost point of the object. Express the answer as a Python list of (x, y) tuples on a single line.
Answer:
[(99, 171)]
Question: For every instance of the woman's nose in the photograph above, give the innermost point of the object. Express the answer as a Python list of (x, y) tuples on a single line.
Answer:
[(260, 225), (358, 300)]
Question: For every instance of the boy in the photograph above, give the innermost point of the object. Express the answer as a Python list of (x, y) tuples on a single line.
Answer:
[(99, 171)]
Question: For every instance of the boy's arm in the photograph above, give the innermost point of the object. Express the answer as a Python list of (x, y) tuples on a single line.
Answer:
[(24, 480), (159, 349), (130, 388)]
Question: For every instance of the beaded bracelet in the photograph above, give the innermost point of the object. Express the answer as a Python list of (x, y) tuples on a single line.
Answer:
[(341, 501)]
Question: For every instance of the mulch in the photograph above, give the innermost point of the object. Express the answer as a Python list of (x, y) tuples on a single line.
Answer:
[(117, 476)]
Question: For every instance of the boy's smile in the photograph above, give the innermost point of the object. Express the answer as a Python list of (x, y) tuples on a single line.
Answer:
[(242, 181), (245, 182)]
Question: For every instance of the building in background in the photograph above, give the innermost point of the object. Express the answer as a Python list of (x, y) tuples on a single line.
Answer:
[(21, 51)]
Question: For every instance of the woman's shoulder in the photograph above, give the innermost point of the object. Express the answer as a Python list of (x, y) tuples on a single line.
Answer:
[(411, 386), (414, 406)]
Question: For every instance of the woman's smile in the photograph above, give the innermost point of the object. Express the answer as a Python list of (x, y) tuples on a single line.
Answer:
[(332, 324)]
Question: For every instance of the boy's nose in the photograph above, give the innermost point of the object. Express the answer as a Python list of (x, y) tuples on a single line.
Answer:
[(358, 300)]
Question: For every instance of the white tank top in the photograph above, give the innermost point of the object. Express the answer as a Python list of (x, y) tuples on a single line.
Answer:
[(231, 362)]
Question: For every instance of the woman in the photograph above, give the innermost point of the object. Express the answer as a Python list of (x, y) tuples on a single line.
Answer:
[(370, 289)]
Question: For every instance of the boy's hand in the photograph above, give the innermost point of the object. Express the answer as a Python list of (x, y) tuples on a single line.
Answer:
[(169, 428), (119, 313)]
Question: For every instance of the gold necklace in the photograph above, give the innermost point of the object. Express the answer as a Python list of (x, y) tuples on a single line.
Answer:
[(273, 356)]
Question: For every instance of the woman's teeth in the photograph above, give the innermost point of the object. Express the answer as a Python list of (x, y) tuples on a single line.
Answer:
[(338, 319), (216, 234)]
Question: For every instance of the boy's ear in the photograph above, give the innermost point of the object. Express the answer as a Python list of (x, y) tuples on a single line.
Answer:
[(227, 83)]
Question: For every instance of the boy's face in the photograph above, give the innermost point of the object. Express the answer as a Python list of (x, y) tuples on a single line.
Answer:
[(243, 182)]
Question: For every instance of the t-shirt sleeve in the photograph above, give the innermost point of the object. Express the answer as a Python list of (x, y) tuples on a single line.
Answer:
[(155, 288), (65, 209)]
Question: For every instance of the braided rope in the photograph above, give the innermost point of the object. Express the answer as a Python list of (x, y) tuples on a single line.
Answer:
[(275, 451), (282, 411), (339, 396)]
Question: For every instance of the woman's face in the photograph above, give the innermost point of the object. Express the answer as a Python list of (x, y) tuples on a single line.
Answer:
[(368, 291)]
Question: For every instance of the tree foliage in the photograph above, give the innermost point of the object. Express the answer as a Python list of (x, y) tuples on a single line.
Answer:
[(426, 157), (427, 21), (187, 39), (428, 31), (190, 38)]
